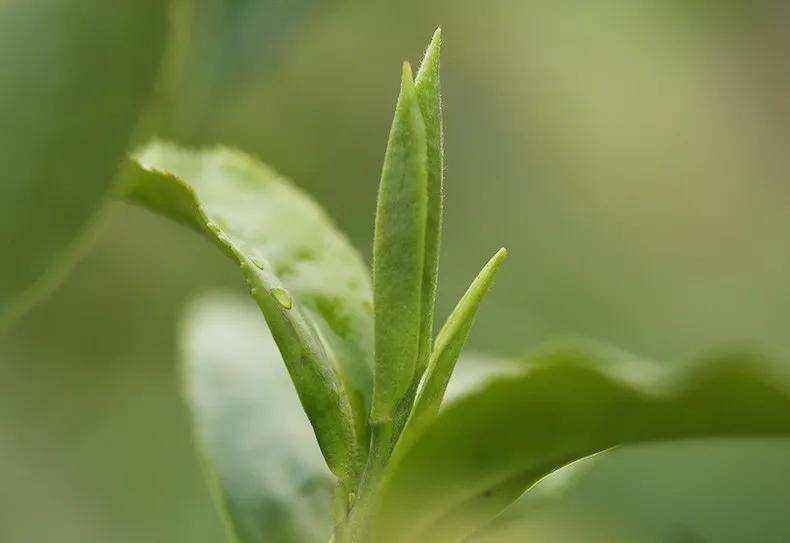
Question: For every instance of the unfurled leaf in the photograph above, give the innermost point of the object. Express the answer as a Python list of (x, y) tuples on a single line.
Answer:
[(490, 445), (428, 88), (448, 346), (398, 253), (261, 456), (310, 284), (75, 76)]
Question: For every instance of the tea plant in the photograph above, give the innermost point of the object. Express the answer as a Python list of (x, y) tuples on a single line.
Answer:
[(390, 462)]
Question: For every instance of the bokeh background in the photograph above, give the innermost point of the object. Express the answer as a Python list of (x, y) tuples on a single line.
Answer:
[(632, 155)]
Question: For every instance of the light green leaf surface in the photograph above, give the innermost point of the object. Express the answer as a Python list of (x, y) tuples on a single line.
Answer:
[(449, 343), (428, 89), (398, 253), (518, 429), (75, 76), (267, 470), (309, 282)]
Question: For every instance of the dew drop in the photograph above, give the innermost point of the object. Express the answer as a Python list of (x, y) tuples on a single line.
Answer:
[(283, 297)]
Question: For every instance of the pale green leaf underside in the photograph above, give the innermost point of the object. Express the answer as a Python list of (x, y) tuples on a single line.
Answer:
[(262, 457), (75, 77), (309, 282), (488, 446)]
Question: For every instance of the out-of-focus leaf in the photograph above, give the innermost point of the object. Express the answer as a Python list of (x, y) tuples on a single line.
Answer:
[(222, 47), (261, 454), (309, 282), (398, 253), (570, 405), (75, 76)]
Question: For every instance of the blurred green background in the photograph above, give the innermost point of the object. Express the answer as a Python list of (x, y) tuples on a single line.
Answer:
[(632, 156)]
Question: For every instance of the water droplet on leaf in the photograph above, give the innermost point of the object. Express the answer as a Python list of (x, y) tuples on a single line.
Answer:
[(283, 297)]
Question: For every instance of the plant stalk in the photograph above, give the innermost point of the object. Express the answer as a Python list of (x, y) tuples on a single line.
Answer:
[(356, 527)]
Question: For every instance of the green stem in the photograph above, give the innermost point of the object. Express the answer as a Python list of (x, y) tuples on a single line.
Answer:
[(355, 529), (384, 437)]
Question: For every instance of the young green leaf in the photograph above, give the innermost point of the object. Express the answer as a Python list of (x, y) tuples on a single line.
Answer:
[(398, 253), (261, 457), (518, 429), (75, 77), (428, 88), (310, 284), (448, 346)]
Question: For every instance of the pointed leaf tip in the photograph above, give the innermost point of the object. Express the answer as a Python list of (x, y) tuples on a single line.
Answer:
[(408, 90), (407, 77), (436, 39), (430, 60)]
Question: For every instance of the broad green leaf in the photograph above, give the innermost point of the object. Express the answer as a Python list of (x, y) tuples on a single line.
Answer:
[(398, 253), (310, 284), (508, 435), (268, 473), (427, 85), (448, 347), (75, 77)]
